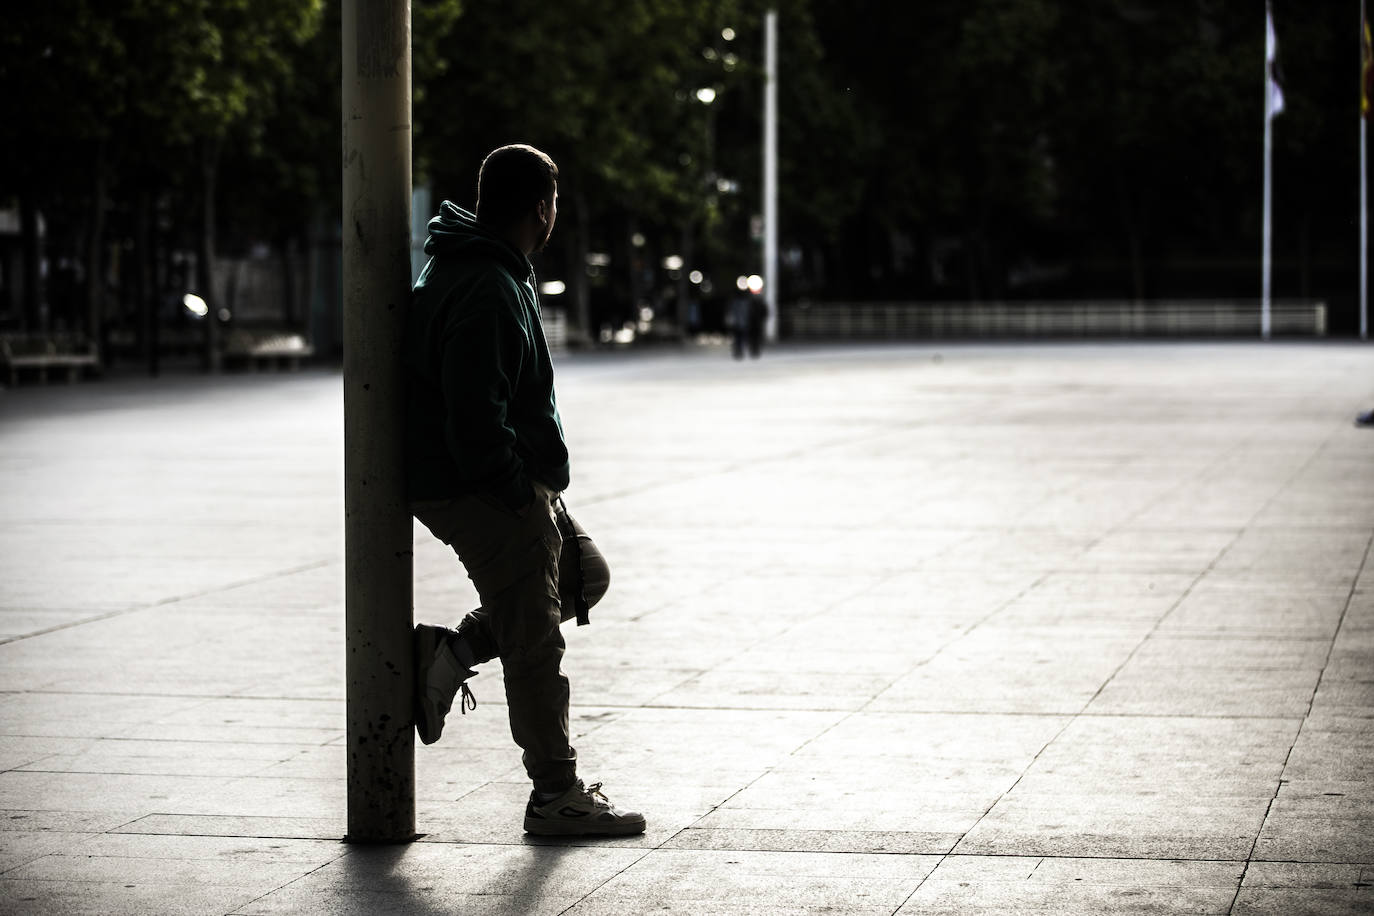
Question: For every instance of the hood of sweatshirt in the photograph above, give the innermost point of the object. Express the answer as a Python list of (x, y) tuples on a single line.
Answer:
[(455, 233)]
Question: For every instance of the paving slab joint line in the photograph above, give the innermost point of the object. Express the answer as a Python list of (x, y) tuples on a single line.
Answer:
[(1160, 622), (653, 703), (969, 629), (622, 871), (753, 464), (245, 905), (723, 802), (920, 884), (1116, 857), (1219, 461), (1082, 712), (924, 662), (1278, 491), (120, 831), (163, 602), (1311, 701)]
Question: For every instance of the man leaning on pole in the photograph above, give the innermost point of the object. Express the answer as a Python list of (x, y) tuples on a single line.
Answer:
[(485, 465)]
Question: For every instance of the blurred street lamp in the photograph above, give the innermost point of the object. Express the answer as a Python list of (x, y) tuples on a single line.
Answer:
[(706, 95), (195, 305), (770, 171)]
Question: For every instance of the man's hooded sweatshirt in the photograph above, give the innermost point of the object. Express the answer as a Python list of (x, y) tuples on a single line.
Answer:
[(481, 415)]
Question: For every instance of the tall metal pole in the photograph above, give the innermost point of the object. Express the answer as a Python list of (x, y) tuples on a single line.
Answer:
[(1364, 237), (1268, 169), (770, 173), (377, 526), (1364, 189)]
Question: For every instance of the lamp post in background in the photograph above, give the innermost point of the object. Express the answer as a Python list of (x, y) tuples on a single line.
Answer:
[(770, 173), (377, 527)]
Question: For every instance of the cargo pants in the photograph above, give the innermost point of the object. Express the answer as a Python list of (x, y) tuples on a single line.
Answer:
[(532, 571)]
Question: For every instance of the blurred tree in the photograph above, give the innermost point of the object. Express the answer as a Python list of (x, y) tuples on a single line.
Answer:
[(926, 149), (287, 176), (1155, 96), (148, 92), (1315, 150), (609, 92), (63, 78), (829, 139), (1006, 75), (226, 61), (954, 101)]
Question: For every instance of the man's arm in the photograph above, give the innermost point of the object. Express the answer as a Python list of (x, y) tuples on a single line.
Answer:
[(482, 356)]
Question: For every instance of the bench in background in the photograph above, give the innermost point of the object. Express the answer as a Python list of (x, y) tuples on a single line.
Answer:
[(40, 354), (254, 348)]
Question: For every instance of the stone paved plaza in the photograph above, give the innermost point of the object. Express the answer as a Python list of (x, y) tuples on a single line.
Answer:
[(894, 630)]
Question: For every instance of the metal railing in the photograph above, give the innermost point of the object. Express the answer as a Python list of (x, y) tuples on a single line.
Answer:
[(1093, 318), (555, 322)]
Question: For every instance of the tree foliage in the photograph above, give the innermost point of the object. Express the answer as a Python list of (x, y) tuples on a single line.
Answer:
[(980, 148)]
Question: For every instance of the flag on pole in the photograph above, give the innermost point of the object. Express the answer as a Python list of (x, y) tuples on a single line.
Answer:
[(1271, 53), (1366, 71)]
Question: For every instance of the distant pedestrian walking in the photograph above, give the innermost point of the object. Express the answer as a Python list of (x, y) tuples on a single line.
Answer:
[(486, 463), (747, 315)]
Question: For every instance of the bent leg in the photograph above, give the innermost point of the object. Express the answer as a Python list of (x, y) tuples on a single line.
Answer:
[(513, 562)]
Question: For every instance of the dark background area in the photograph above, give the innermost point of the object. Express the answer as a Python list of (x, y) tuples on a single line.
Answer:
[(978, 150)]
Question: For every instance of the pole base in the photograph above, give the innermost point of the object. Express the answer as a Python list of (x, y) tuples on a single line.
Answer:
[(368, 841)]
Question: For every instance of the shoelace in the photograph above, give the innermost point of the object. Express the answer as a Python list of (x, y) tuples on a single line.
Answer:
[(594, 792), (467, 700)]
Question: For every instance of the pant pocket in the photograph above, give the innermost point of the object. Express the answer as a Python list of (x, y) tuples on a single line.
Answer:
[(526, 612), (529, 561)]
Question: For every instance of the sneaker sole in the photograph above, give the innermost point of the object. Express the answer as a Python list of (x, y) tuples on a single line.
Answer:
[(428, 723), (577, 828)]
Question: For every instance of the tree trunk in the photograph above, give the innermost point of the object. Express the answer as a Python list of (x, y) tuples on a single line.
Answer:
[(683, 286), (1133, 220), (1137, 254), (143, 283), (973, 267), (581, 313), (634, 265), (290, 289), (32, 307), (1305, 255), (205, 255), (990, 256), (95, 244)]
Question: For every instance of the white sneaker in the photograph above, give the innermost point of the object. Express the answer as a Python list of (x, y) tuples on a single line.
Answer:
[(579, 811), (439, 675)]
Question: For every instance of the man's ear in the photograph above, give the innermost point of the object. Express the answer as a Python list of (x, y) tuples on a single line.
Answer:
[(543, 212)]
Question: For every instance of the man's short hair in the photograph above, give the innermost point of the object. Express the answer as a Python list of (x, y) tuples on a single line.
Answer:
[(512, 180)]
